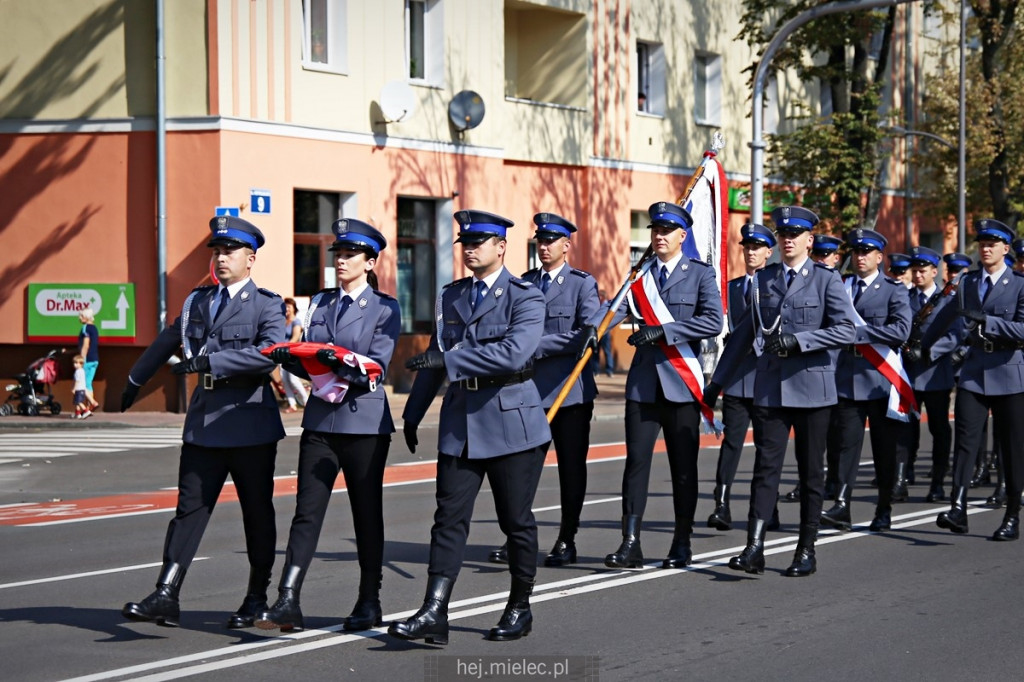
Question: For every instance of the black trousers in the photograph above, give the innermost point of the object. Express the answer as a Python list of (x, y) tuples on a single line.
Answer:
[(833, 446), (771, 437), (513, 480), (851, 416), (361, 458), (570, 433), (736, 415), (201, 475), (936, 404), (680, 423), (1007, 431)]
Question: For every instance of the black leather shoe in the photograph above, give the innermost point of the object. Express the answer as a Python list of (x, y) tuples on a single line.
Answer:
[(680, 555), (804, 563), (721, 518), (366, 614), (956, 518), (838, 516), (255, 600), (430, 623), (1009, 529), (998, 497), (160, 606), (562, 554), (517, 619), (935, 493), (286, 613), (900, 493), (629, 554), (792, 496), (499, 556), (751, 559), (880, 523)]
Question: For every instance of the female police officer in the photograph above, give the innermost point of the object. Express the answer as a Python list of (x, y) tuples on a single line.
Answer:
[(350, 432)]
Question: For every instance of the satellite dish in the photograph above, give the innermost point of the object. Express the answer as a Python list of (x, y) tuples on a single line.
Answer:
[(397, 101), (466, 110)]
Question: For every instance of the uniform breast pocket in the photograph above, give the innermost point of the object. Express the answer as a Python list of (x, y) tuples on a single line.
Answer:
[(451, 335), (560, 319), (490, 332), (807, 311), (681, 305), (516, 405), (236, 335)]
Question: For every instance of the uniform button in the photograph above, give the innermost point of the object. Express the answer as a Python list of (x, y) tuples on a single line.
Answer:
[(785, 305), (785, 320)]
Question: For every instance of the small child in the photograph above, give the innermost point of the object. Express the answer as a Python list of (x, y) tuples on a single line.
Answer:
[(81, 404)]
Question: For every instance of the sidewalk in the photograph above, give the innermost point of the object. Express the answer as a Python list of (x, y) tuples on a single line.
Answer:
[(609, 406)]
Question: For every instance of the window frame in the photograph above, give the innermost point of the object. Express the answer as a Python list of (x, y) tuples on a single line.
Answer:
[(337, 37), (432, 43), (651, 78), (707, 72)]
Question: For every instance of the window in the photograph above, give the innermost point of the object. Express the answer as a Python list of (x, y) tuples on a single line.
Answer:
[(324, 40), (707, 89), (314, 213), (417, 244), (546, 55), (424, 40), (650, 73), (639, 235)]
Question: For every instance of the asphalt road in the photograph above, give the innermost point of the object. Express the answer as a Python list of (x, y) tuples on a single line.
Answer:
[(914, 603)]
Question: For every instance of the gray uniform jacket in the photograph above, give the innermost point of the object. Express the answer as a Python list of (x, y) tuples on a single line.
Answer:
[(228, 416), (742, 385), (692, 297), (497, 339), (885, 307), (818, 312), (571, 300), (934, 372), (370, 327)]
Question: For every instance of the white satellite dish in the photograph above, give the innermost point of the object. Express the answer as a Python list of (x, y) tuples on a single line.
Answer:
[(397, 101)]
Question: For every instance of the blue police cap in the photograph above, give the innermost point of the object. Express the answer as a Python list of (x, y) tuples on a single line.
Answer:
[(958, 260), (1018, 247), (757, 234), (793, 218), (350, 233), (552, 226), (862, 238), (476, 226), (989, 228), (825, 243), (668, 214), (899, 262), (922, 255), (230, 231)]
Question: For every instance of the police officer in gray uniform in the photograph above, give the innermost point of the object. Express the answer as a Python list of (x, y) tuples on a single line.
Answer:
[(992, 376), (657, 397), (571, 297), (798, 314), (863, 390), (738, 397), (492, 424), (232, 425)]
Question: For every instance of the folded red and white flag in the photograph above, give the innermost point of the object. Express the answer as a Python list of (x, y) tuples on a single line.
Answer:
[(327, 385)]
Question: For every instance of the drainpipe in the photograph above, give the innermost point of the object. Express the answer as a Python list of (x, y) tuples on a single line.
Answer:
[(161, 172)]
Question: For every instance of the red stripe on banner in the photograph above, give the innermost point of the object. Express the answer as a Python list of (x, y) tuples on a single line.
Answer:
[(906, 392), (680, 366)]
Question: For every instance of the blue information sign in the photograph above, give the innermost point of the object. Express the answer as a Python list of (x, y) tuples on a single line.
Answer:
[(259, 201)]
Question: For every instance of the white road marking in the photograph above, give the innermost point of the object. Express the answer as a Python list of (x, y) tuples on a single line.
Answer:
[(89, 574)]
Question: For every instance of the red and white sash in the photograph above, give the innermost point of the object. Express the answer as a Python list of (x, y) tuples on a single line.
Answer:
[(647, 304)]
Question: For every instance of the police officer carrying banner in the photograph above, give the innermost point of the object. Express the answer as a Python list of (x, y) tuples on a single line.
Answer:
[(233, 422), (679, 303), (492, 424), (882, 314), (571, 298), (799, 311), (738, 397), (992, 376)]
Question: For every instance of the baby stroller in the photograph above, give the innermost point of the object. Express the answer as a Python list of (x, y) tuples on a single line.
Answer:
[(33, 392)]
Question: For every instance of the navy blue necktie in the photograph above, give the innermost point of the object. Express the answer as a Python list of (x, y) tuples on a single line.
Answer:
[(988, 285), (225, 297), (662, 277), (790, 276), (479, 289), (343, 305), (860, 290), (921, 299), (545, 282), (748, 290)]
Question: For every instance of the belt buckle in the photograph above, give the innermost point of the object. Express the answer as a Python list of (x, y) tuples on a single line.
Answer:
[(987, 345), (783, 353), (857, 353), (471, 384), (208, 382)]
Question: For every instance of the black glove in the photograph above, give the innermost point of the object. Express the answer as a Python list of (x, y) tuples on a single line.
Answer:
[(973, 315), (196, 363), (781, 343), (711, 393), (587, 339), (409, 431), (327, 358), (128, 395), (647, 335), (913, 353), (956, 358), (432, 359), (282, 355)]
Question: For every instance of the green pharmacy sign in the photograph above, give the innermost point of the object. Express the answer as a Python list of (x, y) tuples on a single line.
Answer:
[(53, 311)]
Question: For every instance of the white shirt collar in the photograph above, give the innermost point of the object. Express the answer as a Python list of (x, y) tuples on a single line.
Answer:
[(490, 279), (929, 291), (869, 280), (994, 277), (234, 288), (670, 265), (355, 294), (553, 274), (798, 268)]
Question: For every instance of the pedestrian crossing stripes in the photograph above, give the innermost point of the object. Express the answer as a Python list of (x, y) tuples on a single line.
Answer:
[(55, 443)]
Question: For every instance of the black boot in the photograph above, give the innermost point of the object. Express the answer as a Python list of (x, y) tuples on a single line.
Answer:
[(721, 518), (679, 554), (430, 623), (883, 513), (982, 475), (936, 493), (956, 518), (998, 497), (751, 559), (162, 605), (367, 612), (286, 612), (629, 554), (839, 515), (804, 562), (517, 620), (255, 600), (899, 487), (564, 551), (793, 495), (1010, 527), (499, 556)]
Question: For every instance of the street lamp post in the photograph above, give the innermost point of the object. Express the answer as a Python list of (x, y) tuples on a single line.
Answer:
[(961, 170)]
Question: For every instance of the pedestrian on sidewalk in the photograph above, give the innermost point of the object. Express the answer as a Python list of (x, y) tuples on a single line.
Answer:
[(89, 348), (81, 402), (294, 390)]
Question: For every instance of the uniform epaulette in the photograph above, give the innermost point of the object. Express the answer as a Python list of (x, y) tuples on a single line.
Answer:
[(890, 280), (458, 281), (700, 262), (385, 296), (1019, 274), (579, 273), (206, 287), (521, 283), (534, 271), (268, 292)]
